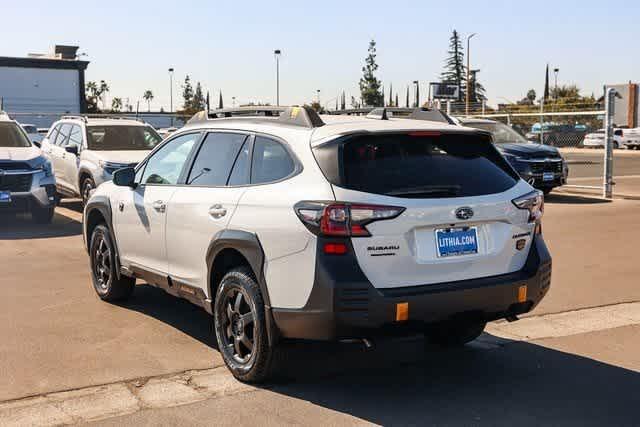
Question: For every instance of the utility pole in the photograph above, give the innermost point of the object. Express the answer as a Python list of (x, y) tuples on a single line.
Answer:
[(277, 54), (468, 72), (555, 72), (171, 94), (609, 99)]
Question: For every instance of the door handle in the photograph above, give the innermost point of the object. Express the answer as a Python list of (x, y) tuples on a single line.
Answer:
[(217, 211), (159, 205)]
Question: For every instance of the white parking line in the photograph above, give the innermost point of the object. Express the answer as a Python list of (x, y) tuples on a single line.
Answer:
[(111, 400)]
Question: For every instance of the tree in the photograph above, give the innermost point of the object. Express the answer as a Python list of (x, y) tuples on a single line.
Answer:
[(397, 103), (91, 96), (369, 84), (531, 96), (407, 103), (546, 84), (220, 102), (354, 102), (199, 103), (343, 102), (103, 88), (148, 96), (116, 104), (391, 95), (187, 94), (454, 69)]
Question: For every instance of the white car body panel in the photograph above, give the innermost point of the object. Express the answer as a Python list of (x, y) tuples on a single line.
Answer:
[(415, 262)]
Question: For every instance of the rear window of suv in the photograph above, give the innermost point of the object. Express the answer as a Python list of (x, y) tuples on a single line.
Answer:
[(417, 165), (122, 137)]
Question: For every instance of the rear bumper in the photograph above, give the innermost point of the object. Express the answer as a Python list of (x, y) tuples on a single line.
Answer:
[(344, 304)]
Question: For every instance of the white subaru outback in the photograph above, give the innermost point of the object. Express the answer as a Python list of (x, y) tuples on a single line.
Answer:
[(283, 224)]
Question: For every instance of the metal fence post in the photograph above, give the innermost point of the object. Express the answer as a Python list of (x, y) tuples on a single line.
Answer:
[(608, 137)]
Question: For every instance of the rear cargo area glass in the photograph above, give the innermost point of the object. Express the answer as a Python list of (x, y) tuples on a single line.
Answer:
[(419, 165)]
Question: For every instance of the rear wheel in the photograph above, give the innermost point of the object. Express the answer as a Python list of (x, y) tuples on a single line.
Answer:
[(103, 268), (42, 215), (546, 191), (241, 329), (455, 333)]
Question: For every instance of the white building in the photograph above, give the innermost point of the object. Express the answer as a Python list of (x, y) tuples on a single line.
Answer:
[(49, 84)]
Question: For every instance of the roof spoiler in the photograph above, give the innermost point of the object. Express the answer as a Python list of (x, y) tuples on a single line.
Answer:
[(296, 116), (431, 115)]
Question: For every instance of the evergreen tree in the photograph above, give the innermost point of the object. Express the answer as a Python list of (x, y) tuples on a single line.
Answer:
[(343, 105), (546, 84), (391, 95), (454, 68), (369, 84), (220, 102), (397, 104), (198, 103), (407, 103), (187, 94)]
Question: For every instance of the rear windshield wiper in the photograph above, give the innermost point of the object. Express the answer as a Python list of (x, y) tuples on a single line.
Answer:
[(428, 190)]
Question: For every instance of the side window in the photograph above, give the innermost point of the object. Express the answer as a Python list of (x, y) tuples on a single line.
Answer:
[(63, 135), (271, 161), (240, 172), (166, 164), (215, 159), (53, 134), (75, 137)]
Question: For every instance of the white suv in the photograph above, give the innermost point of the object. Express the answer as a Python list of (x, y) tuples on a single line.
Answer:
[(323, 228), (85, 152)]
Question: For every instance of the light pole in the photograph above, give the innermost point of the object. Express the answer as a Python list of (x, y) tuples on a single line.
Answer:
[(277, 54), (171, 94), (468, 82), (318, 94), (555, 72), (415, 82), (233, 100)]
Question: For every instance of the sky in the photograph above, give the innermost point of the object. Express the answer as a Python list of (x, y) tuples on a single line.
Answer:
[(229, 45)]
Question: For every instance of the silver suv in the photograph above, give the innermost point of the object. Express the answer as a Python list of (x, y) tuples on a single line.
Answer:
[(27, 183), (85, 152)]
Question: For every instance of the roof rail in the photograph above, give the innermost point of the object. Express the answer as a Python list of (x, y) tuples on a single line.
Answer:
[(74, 117), (296, 116), (110, 117)]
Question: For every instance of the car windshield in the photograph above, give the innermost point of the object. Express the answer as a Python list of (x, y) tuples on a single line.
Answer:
[(502, 133), (12, 136), (122, 137)]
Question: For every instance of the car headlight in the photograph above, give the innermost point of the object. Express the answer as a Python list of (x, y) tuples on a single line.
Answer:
[(110, 167)]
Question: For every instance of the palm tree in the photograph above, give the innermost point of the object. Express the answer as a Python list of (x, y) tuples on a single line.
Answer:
[(148, 96), (102, 90), (116, 104)]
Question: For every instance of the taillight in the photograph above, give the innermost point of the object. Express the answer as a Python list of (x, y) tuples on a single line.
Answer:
[(342, 219), (533, 202)]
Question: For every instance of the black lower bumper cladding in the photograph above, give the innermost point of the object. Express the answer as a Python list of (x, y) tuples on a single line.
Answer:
[(344, 304)]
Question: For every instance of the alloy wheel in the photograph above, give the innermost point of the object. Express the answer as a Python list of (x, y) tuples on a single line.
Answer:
[(238, 325), (102, 263)]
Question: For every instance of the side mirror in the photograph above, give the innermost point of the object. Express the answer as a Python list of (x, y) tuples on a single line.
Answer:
[(73, 149), (37, 144), (125, 177)]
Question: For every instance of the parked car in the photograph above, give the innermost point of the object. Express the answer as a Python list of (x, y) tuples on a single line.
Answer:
[(33, 134), (622, 138), (85, 152), (302, 227), (27, 182), (540, 165), (558, 135)]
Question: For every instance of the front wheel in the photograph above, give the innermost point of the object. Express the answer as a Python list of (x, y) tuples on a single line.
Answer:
[(546, 191), (87, 188), (455, 333), (106, 282), (241, 329)]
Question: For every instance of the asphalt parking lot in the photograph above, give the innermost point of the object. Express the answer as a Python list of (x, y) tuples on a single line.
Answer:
[(56, 335)]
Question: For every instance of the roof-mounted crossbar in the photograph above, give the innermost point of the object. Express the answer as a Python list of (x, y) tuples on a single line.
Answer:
[(296, 116)]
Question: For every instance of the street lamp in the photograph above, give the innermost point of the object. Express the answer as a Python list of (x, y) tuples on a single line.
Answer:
[(277, 54), (415, 82), (233, 100), (468, 71), (555, 72), (318, 92)]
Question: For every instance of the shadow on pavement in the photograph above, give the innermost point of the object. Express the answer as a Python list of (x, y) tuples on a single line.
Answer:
[(73, 204), (176, 312), (514, 384), (570, 199), (18, 227), (491, 381)]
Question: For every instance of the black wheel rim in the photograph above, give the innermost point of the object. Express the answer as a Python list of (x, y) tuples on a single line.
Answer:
[(102, 263), (238, 325)]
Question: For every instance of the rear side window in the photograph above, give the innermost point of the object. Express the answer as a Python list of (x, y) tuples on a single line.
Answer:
[(215, 159), (63, 135), (271, 161), (418, 165)]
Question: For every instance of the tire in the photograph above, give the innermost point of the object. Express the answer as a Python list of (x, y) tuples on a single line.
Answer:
[(87, 187), (455, 333), (241, 328), (546, 191), (103, 268), (42, 215)]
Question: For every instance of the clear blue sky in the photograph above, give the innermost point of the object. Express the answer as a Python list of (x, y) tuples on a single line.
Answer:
[(229, 45)]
